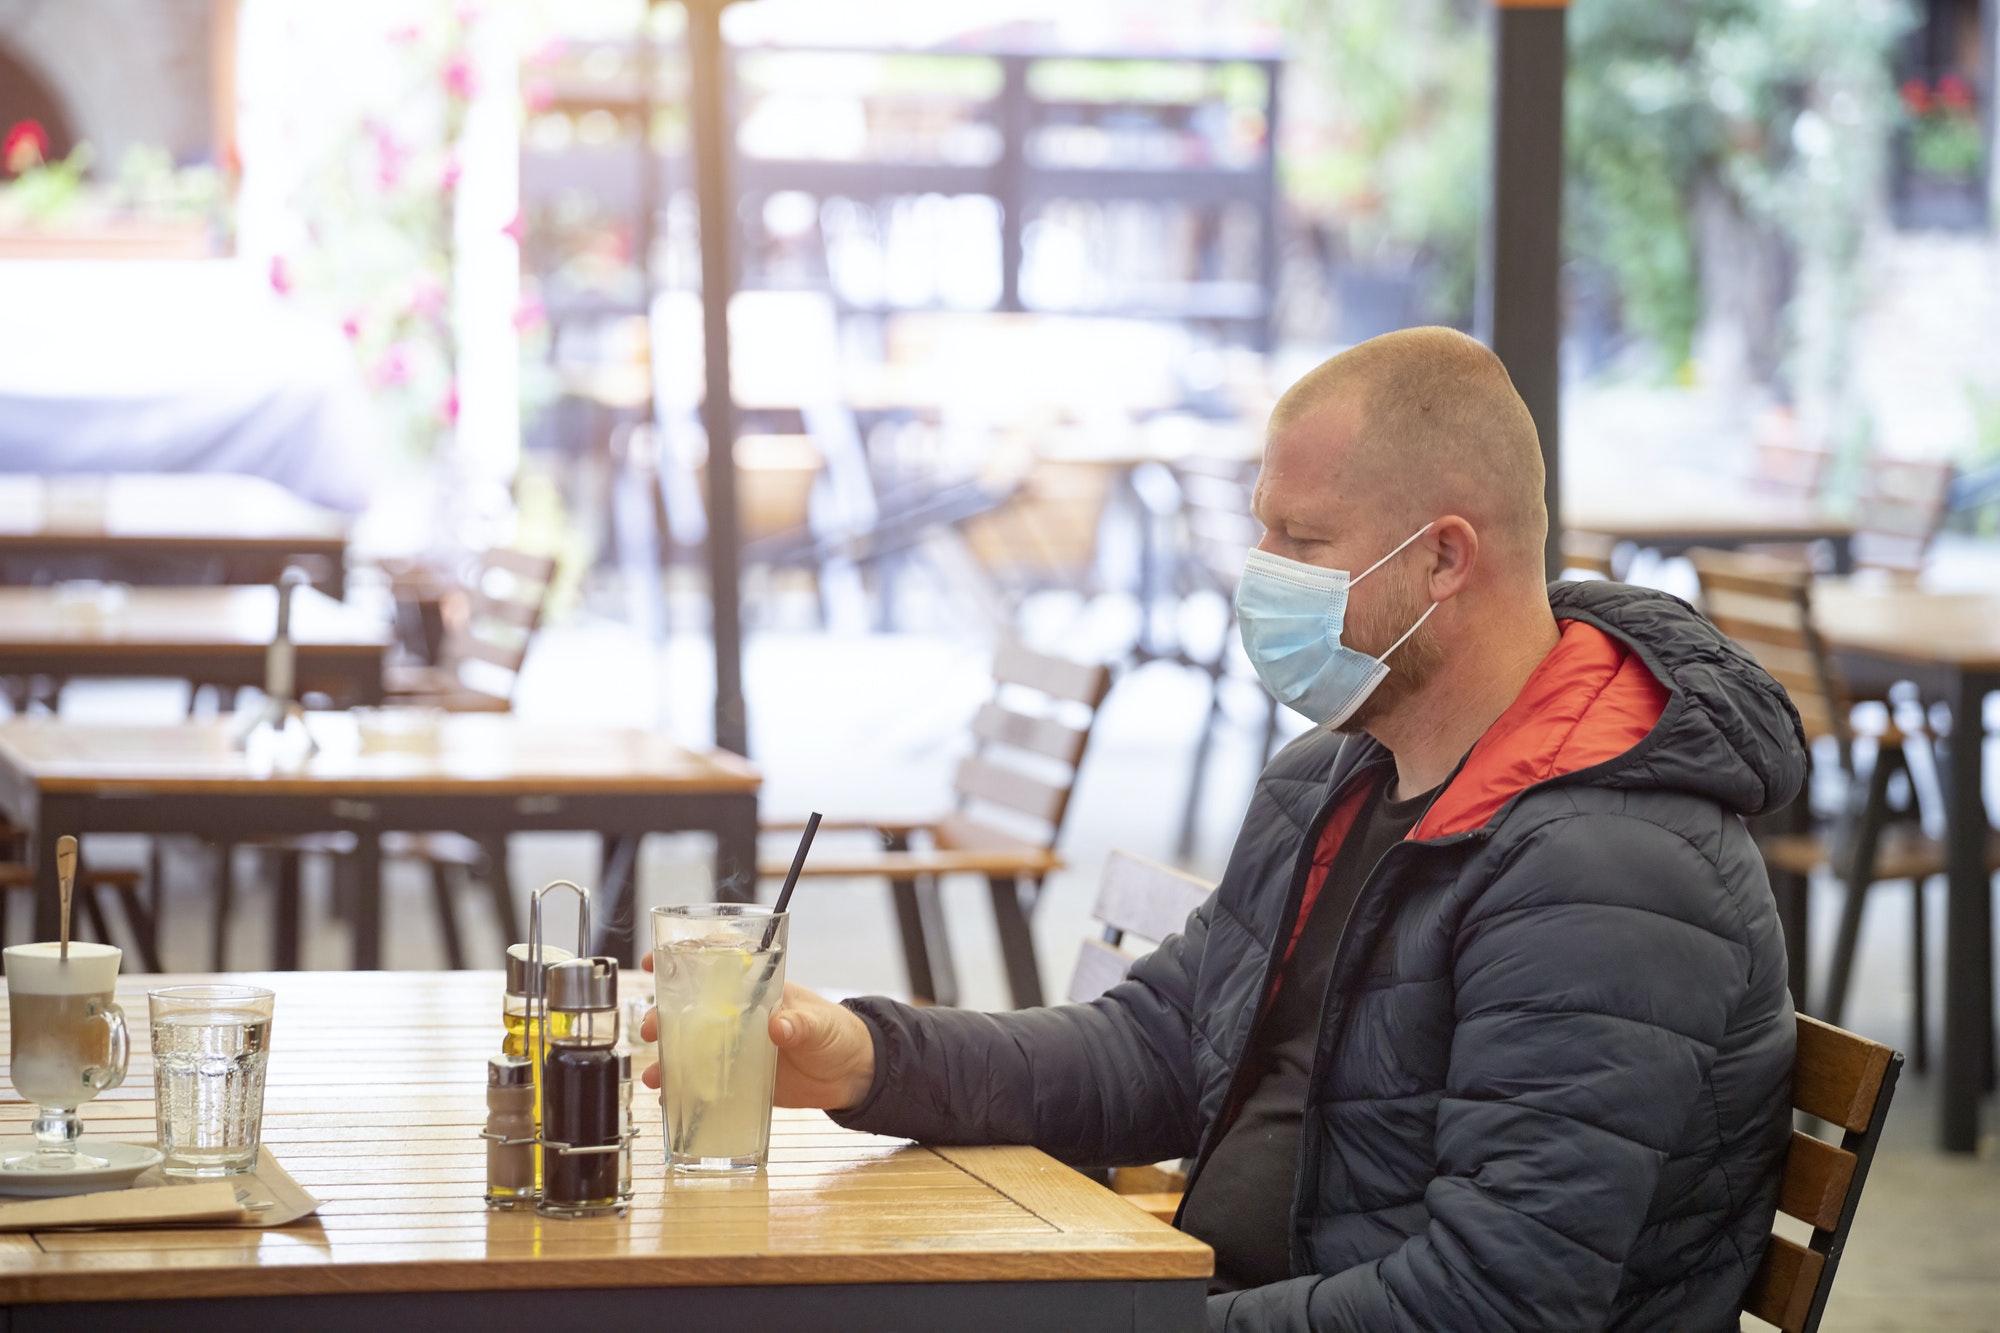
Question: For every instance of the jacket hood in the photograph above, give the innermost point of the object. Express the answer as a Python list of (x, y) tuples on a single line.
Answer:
[(1640, 692)]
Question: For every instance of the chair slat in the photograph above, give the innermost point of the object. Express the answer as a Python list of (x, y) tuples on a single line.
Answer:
[(1838, 1075), (462, 647), (1099, 967), (1817, 1175), (519, 614), (536, 568), (984, 780), (1038, 735), (1146, 898), (1057, 677), (1782, 1291)]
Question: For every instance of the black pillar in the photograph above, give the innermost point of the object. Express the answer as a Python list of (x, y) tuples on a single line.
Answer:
[(1520, 311), (715, 197)]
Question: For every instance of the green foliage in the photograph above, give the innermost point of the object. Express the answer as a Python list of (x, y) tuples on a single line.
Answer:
[(1396, 93), (1783, 104)]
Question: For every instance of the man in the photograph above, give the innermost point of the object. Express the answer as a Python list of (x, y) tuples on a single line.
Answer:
[(1486, 1025)]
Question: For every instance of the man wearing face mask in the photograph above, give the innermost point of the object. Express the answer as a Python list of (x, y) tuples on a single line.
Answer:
[(1485, 1026)]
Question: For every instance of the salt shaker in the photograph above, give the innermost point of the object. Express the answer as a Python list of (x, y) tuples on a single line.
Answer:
[(625, 1132), (510, 1132)]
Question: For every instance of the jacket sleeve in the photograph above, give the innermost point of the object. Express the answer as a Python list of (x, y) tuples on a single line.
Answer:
[(1099, 1084), (1594, 979)]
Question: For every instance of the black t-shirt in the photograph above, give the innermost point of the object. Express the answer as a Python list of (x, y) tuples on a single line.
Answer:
[(1241, 1204)]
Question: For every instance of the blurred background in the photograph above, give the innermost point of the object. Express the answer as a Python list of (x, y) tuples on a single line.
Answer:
[(1010, 286)]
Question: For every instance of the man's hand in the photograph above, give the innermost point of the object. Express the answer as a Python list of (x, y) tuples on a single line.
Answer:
[(826, 1058)]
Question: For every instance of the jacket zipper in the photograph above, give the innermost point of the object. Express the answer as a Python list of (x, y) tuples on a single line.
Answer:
[(1301, 869)]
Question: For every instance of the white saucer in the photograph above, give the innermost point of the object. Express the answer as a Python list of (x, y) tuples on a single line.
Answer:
[(126, 1161)]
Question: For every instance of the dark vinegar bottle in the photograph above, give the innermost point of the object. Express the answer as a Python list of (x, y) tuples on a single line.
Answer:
[(581, 1127)]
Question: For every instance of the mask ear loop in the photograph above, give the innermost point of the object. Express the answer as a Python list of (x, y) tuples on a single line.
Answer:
[(1391, 556), (1408, 632)]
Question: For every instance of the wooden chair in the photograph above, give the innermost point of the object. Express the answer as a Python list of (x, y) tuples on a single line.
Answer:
[(1766, 606), (1904, 502), (1589, 553), (125, 885), (1847, 1082), (1030, 739), (1217, 531), (1136, 897), (488, 625)]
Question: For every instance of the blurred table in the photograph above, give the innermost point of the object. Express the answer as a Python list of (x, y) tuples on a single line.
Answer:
[(212, 636), (1948, 644), (483, 776), (178, 529), (375, 1097), (1725, 515)]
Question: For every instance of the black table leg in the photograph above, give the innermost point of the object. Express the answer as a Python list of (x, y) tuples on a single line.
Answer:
[(617, 897), (367, 900), (1968, 949)]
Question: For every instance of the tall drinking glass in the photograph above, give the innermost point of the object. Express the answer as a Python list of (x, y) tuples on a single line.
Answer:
[(718, 972), (210, 1047), (68, 1044)]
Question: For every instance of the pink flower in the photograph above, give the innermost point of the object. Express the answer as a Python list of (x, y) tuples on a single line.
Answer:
[(394, 367), (281, 275), (467, 13), (458, 78), (1954, 93), (529, 313), (405, 35), (538, 94), (548, 53), (450, 405), (515, 228), (1916, 96), (453, 169), (351, 326), (390, 157), (26, 145), (426, 296)]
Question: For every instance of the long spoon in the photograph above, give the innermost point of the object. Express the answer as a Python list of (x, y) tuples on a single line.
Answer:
[(66, 883)]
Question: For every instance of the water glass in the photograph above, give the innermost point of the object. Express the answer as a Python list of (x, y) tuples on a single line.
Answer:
[(718, 972), (210, 1047)]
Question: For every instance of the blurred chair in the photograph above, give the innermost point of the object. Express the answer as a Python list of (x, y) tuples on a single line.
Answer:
[(1766, 606), (141, 921), (489, 623), (1903, 505), (1846, 1082), (1589, 553), (1045, 534), (1136, 897), (1217, 532), (1029, 742)]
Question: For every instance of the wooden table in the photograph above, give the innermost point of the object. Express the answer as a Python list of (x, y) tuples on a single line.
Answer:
[(401, 769), (1723, 515), (179, 529), (1948, 644), (212, 636), (375, 1093)]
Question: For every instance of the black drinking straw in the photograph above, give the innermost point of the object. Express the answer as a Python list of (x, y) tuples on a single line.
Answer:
[(792, 878)]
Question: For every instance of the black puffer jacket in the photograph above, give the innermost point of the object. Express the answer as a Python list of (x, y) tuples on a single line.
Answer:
[(1552, 1083)]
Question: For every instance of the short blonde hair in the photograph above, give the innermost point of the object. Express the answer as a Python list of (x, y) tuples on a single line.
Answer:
[(1438, 423)]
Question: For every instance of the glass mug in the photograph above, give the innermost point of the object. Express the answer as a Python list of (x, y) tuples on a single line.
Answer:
[(69, 1044)]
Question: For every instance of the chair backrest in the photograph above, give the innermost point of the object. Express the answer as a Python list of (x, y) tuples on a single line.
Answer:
[(1134, 897), (1589, 553), (494, 618), (1766, 606), (1846, 1081), (1217, 526), (1903, 504), (1030, 740)]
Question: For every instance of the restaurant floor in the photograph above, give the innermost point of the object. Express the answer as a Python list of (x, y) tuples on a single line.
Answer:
[(869, 723)]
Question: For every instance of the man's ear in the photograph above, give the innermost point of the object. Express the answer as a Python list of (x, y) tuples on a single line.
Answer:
[(1453, 544)]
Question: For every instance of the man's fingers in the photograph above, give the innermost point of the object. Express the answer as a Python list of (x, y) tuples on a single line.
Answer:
[(650, 1076), (646, 961), (649, 1027)]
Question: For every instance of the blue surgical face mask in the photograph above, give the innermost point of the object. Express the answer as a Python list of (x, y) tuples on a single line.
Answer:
[(1291, 615)]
